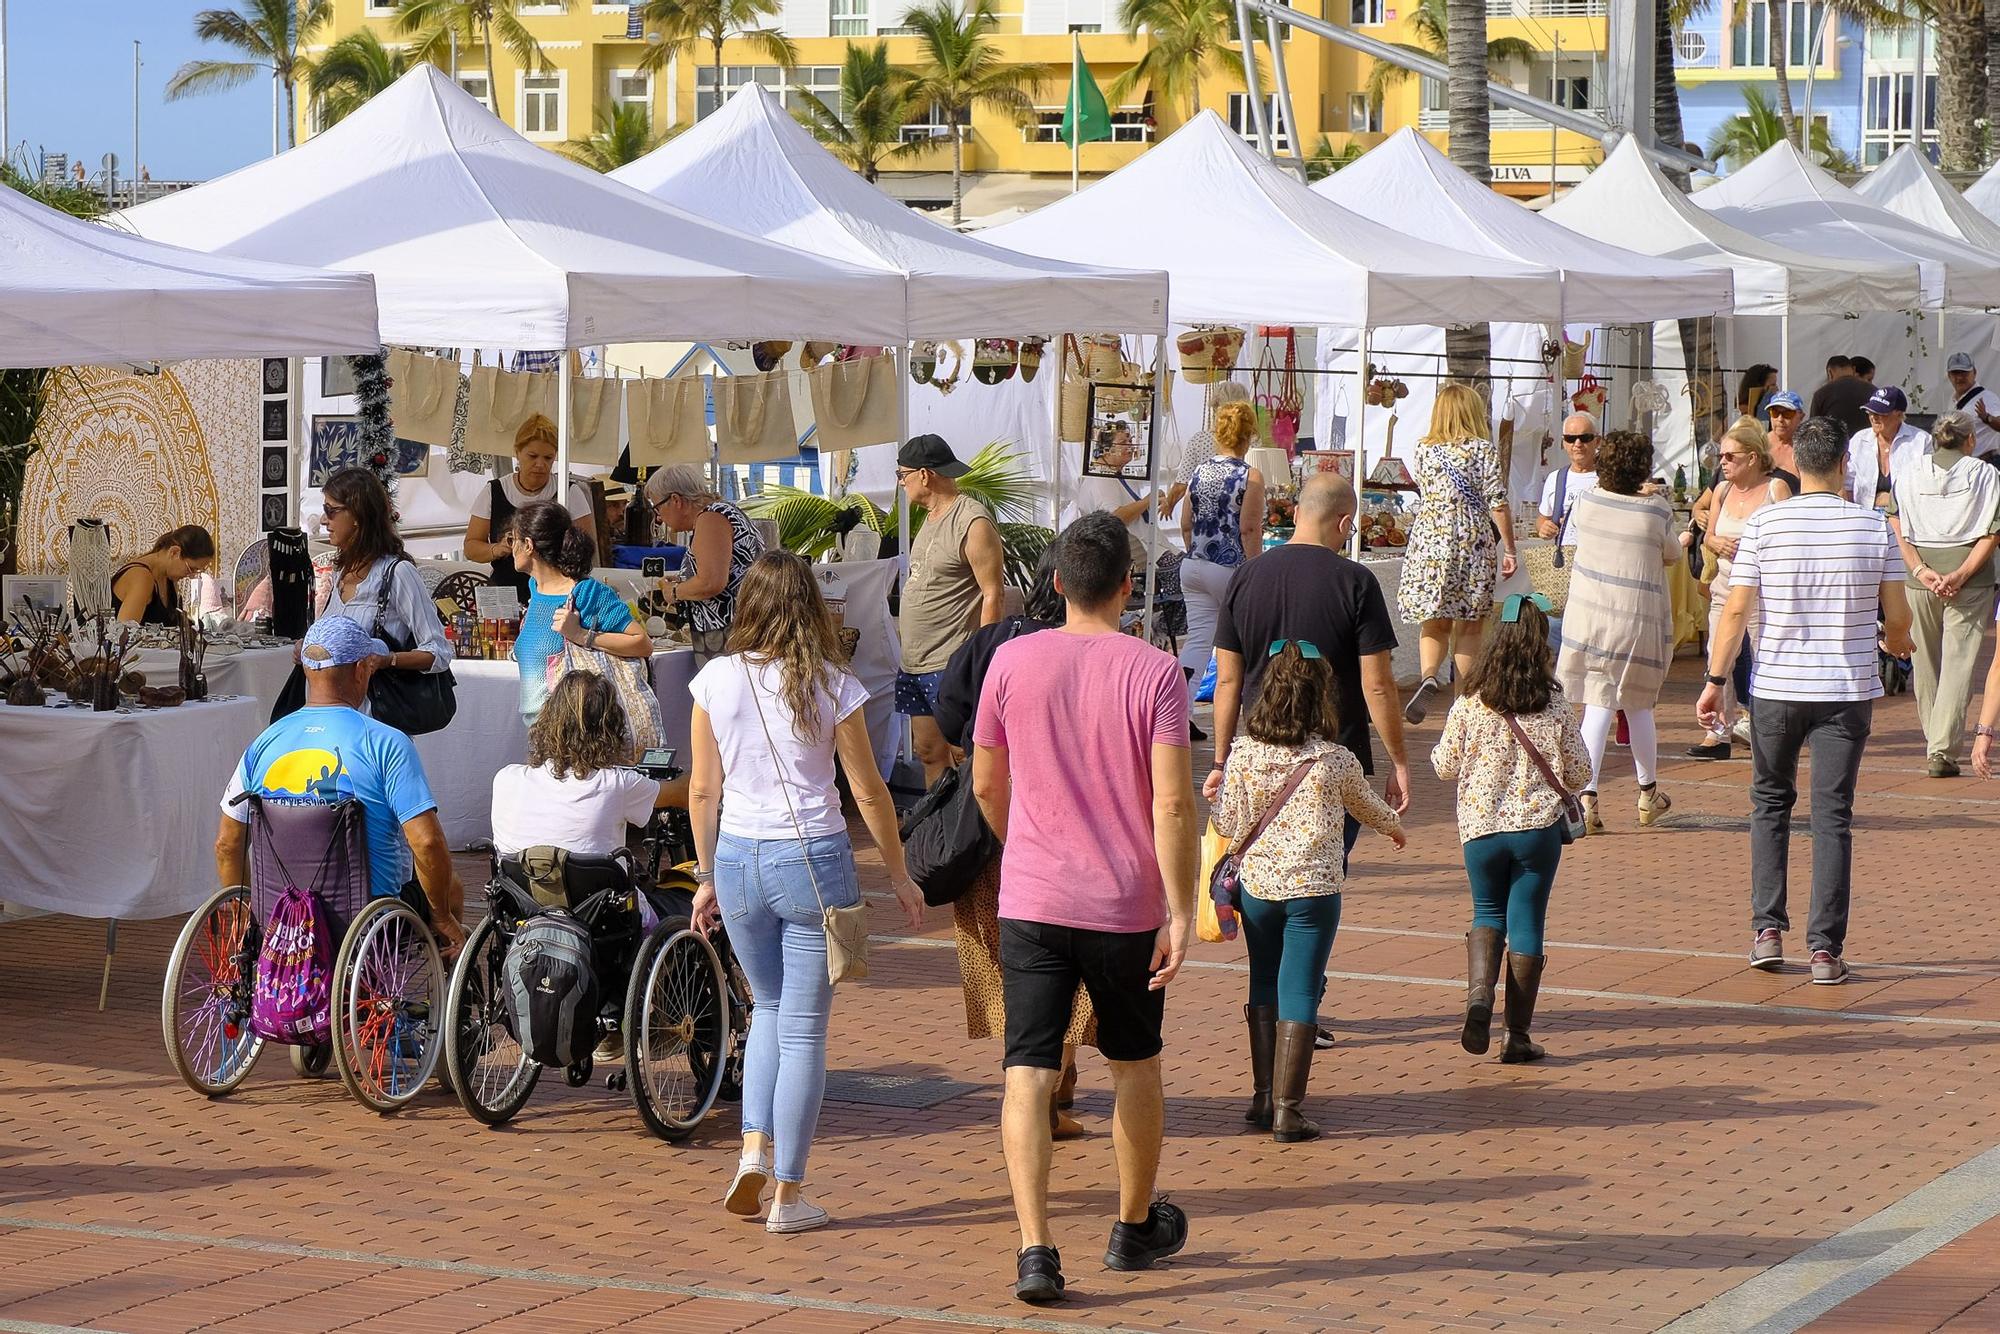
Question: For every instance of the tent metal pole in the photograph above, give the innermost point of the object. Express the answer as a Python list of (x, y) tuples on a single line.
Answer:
[(1055, 419), (1785, 345), (1253, 81), (1153, 487), (1360, 438), (1296, 156), (562, 428), (906, 744), (301, 447)]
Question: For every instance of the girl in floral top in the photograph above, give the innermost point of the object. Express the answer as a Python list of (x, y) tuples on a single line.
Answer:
[(1292, 874), (1509, 817)]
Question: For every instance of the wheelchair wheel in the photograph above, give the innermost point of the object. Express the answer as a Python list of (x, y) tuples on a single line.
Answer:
[(676, 1029), (311, 1062), (739, 1030), (388, 998), (489, 1072), (205, 1008)]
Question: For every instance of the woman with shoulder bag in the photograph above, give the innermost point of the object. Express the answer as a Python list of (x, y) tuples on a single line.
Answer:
[(1513, 744), (1749, 482), (774, 856), (1285, 800), (565, 605), (975, 915)]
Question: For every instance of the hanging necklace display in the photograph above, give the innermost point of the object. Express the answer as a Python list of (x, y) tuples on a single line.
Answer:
[(193, 650), (90, 568), (291, 583)]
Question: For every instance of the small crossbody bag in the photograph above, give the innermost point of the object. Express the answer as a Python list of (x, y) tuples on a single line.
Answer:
[(846, 928), (1572, 806)]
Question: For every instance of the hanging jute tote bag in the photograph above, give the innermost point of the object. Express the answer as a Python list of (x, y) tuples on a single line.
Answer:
[(855, 402), (502, 402), (423, 396), (668, 421), (753, 417), (593, 421)]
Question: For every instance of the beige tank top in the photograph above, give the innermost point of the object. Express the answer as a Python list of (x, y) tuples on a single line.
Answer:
[(942, 596)]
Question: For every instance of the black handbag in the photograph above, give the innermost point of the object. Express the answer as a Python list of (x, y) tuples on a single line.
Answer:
[(412, 702), (946, 840)]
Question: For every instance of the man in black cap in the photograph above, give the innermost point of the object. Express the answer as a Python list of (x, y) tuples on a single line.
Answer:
[(956, 583), (1884, 449)]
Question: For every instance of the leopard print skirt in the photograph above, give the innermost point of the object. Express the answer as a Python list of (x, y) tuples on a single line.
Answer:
[(975, 920)]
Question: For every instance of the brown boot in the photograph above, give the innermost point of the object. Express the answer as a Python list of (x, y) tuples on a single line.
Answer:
[(1263, 1023), (1293, 1069), (1482, 967), (1524, 983)]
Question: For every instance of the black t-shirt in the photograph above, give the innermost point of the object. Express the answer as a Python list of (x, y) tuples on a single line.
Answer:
[(1303, 591), (1842, 399)]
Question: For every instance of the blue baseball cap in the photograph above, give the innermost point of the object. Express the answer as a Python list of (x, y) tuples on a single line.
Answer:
[(1886, 399), (335, 641), (1787, 400)]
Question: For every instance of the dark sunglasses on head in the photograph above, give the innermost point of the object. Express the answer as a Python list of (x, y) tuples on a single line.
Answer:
[(1583, 439)]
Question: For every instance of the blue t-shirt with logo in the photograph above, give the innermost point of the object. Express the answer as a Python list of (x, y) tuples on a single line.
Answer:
[(598, 606), (331, 752)]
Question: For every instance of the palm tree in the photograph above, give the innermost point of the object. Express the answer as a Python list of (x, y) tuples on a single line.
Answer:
[(1184, 39), (1962, 92), (874, 103), (1427, 25), (437, 23), (963, 68), (683, 23), (624, 134), (351, 71), (1469, 351), (1324, 161), (1873, 13), (268, 33), (1743, 137)]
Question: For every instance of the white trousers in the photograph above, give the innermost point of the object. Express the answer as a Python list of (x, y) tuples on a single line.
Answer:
[(1202, 585)]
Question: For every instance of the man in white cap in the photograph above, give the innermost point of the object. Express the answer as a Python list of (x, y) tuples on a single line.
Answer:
[(1980, 402)]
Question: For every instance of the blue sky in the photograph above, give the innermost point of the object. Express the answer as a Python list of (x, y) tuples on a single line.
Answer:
[(69, 68)]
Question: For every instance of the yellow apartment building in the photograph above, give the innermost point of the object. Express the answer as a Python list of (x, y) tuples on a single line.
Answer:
[(594, 62)]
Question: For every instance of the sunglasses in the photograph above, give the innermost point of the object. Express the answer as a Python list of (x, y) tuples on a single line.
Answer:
[(1583, 439), (1510, 611), (1727, 455), (903, 474), (1307, 649)]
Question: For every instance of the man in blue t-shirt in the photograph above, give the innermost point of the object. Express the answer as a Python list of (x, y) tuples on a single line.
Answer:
[(331, 749)]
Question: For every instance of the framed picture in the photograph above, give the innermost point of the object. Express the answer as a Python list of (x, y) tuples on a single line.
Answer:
[(277, 464), (336, 377), (336, 444), (274, 511), (23, 592), (277, 375), (277, 419), (1119, 442)]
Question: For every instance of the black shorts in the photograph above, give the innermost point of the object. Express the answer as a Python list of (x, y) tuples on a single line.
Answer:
[(1040, 966)]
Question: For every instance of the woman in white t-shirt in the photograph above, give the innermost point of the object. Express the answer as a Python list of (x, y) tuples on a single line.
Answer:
[(533, 479), (773, 850), (574, 792)]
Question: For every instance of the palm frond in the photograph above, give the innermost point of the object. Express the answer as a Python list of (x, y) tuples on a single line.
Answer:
[(212, 76)]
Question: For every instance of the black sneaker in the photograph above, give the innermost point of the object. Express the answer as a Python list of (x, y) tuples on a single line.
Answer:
[(1142, 1245), (1040, 1275)]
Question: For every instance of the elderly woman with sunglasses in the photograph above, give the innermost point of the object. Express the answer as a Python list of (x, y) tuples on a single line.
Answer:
[(1747, 485)]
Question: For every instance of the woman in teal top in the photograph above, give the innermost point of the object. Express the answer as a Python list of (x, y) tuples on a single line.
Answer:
[(564, 602)]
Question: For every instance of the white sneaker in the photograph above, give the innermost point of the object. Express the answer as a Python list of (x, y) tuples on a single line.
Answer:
[(801, 1215), (746, 1190), (1741, 731)]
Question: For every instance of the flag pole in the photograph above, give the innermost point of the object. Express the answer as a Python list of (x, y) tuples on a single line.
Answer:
[(1075, 111)]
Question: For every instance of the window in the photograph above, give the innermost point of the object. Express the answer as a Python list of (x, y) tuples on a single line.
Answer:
[(475, 84), (1086, 27), (1890, 103), (849, 18), (629, 88), (1573, 92), (1750, 35), (1245, 124), (1366, 13), (1361, 118), (823, 81), (932, 124), (1691, 47), (543, 8), (382, 8), (542, 104), (1129, 125)]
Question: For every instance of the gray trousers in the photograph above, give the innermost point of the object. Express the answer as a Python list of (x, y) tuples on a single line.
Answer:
[(1948, 637), (1837, 733)]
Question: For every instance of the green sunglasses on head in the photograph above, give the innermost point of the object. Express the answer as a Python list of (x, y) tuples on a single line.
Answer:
[(1510, 610), (1307, 648)]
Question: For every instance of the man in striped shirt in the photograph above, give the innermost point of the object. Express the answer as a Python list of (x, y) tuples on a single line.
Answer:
[(1825, 573)]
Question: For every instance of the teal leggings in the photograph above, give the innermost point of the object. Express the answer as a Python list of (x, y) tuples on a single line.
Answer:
[(1289, 940), (1511, 877)]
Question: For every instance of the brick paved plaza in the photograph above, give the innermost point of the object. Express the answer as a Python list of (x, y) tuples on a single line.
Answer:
[(1706, 1145)]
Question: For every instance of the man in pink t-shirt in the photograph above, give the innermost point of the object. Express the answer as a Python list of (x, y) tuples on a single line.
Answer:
[(1081, 767)]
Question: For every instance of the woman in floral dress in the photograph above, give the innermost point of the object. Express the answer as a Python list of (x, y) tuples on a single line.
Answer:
[(1462, 524)]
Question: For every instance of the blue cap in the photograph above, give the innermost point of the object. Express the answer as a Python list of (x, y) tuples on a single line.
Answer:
[(1886, 399), (1787, 400), (335, 641)]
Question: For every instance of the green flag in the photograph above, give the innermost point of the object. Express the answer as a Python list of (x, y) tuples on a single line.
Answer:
[(1085, 116)]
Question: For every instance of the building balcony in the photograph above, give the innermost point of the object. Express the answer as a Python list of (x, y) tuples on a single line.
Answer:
[(1499, 120), (1547, 9)]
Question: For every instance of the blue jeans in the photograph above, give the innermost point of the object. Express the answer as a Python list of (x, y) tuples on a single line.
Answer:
[(1289, 941), (765, 890), (1511, 876)]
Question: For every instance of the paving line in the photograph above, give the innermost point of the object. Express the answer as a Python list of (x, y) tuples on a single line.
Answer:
[(36, 1327), (1458, 937), (558, 1278), (1793, 1293), (1458, 983)]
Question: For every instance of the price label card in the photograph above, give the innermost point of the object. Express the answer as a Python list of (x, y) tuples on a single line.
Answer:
[(500, 603)]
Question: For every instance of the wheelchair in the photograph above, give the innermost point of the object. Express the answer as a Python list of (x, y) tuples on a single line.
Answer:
[(677, 998), (387, 981)]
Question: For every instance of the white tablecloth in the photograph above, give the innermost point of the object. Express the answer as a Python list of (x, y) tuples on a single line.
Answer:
[(260, 673), (487, 733), (114, 814)]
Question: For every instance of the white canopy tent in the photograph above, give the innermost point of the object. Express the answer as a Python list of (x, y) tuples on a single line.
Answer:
[(1407, 179), (1783, 198), (82, 293), (1910, 187), (1629, 202), (1984, 193), (1245, 243), (753, 168), (477, 238)]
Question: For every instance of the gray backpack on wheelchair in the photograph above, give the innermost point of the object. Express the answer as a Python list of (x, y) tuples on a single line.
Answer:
[(550, 980)]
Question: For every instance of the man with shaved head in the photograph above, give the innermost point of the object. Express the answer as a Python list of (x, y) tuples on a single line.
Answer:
[(1307, 590)]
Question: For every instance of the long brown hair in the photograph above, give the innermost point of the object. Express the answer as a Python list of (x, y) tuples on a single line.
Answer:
[(195, 542), (1296, 701), (580, 729), (375, 535), (781, 618), (1516, 670)]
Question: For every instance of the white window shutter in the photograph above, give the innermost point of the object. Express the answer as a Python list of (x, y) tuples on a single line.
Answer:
[(807, 18), (1045, 16)]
